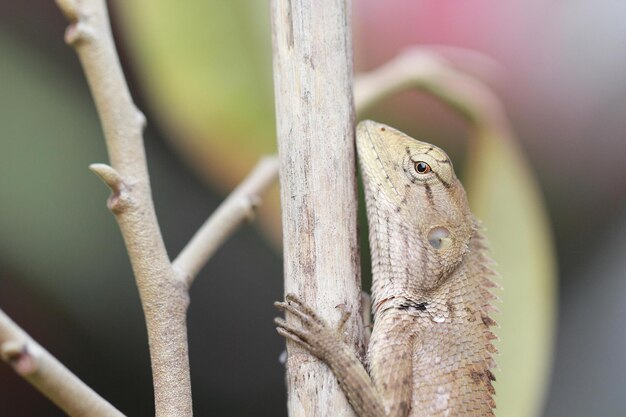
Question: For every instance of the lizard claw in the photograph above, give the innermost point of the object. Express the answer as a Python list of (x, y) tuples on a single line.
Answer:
[(313, 333), (345, 315), (297, 307), (293, 333)]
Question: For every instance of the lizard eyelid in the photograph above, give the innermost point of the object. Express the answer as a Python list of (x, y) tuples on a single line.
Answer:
[(420, 167)]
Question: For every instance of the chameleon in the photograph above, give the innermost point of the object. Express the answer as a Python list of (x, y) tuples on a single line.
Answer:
[(430, 351)]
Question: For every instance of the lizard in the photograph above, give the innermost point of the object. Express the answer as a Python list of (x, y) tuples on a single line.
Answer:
[(431, 349)]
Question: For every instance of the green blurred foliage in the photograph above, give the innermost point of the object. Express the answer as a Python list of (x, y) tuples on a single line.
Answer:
[(503, 193), (206, 69), (51, 205)]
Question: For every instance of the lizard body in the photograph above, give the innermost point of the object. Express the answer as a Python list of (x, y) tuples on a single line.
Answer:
[(430, 352)]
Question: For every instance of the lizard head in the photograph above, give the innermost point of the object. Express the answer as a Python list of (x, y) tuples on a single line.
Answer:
[(414, 182)]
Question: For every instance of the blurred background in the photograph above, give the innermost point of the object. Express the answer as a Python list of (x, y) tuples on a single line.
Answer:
[(202, 74)]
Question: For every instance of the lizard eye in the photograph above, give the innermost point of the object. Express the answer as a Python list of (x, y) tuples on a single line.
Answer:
[(422, 167)]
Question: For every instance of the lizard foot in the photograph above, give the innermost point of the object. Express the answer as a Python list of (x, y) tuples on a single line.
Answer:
[(313, 333), (327, 344)]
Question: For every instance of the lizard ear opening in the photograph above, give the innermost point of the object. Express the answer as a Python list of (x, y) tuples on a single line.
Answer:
[(439, 237)]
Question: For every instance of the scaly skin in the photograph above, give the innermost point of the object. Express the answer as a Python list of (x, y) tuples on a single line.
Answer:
[(430, 351)]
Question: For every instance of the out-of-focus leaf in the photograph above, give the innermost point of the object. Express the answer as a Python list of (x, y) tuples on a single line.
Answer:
[(206, 68), (504, 195), (55, 230)]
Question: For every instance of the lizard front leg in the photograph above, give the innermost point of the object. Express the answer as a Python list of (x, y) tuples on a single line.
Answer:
[(327, 344)]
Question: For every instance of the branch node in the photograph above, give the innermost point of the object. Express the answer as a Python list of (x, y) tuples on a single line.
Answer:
[(253, 201), (141, 119), (109, 176), (78, 29), (77, 32), (118, 200), (21, 359)]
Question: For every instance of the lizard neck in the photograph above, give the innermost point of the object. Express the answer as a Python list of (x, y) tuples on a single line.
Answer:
[(396, 258), (403, 263)]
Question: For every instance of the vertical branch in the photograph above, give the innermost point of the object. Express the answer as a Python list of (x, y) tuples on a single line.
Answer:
[(163, 287), (315, 126), (164, 294)]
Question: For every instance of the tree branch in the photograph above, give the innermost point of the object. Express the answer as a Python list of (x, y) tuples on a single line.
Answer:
[(163, 287), (33, 363), (239, 206), (429, 71), (315, 128), (164, 293)]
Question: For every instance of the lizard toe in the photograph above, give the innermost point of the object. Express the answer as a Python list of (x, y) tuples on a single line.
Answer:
[(304, 309)]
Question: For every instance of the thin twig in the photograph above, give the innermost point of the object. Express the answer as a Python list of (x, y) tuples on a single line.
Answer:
[(33, 363), (391, 77), (239, 206), (426, 70)]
